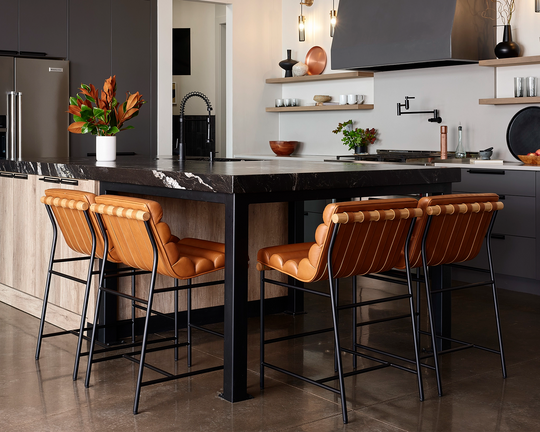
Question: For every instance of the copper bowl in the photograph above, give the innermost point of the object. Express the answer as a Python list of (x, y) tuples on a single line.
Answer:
[(283, 148)]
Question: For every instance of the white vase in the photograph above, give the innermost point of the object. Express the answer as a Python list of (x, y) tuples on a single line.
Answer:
[(105, 148)]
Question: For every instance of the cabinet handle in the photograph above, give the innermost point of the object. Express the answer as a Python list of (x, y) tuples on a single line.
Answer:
[(502, 197), (481, 171), (72, 182), (6, 174), (50, 179), (33, 53), (8, 52), (498, 236), (21, 176)]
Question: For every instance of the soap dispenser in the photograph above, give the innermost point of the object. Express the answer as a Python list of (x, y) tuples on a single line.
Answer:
[(460, 152)]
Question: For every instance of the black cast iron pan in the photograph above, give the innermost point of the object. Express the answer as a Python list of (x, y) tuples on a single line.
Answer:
[(523, 133)]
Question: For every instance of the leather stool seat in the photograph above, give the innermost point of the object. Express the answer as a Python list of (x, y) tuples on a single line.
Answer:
[(354, 238), (142, 240), (68, 211)]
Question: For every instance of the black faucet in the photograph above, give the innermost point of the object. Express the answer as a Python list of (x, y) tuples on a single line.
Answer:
[(435, 112), (180, 141)]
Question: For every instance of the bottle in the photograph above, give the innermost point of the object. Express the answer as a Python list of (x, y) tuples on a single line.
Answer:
[(460, 152), (444, 142)]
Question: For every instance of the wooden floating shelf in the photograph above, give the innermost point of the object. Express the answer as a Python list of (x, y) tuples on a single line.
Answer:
[(509, 101), (515, 61), (325, 77), (321, 108)]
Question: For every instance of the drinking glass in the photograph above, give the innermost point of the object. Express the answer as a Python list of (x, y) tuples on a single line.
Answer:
[(519, 86), (531, 86)]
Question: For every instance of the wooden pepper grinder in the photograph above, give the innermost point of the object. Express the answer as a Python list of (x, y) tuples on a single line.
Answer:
[(444, 142)]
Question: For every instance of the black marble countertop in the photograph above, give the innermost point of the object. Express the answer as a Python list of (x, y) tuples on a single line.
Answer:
[(239, 176)]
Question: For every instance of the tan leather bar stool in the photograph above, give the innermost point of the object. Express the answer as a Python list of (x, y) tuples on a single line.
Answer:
[(69, 211), (143, 241), (355, 238), (452, 230)]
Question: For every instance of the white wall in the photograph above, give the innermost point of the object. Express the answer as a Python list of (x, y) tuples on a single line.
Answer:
[(453, 90), (253, 50), (200, 18)]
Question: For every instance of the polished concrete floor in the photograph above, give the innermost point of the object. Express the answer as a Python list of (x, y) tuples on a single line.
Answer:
[(41, 396)]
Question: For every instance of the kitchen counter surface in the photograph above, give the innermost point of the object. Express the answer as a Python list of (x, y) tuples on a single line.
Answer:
[(240, 176)]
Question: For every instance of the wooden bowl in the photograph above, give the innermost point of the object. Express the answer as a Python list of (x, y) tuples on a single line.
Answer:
[(283, 148), (529, 160)]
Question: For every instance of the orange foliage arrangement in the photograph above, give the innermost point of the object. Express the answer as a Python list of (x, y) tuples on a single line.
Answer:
[(107, 117)]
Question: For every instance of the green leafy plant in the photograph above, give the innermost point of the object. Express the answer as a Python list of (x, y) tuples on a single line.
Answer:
[(355, 137), (101, 114)]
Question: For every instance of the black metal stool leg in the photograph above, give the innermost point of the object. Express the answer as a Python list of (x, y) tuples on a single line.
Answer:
[(337, 352), (47, 283), (354, 320), (261, 311), (189, 323), (133, 309), (176, 320), (495, 303), (83, 316)]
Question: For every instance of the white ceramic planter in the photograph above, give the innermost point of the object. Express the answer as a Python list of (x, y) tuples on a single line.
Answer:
[(105, 148)]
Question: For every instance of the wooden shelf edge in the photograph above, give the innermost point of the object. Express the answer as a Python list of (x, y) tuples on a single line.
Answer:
[(325, 77), (321, 108), (509, 101), (515, 61)]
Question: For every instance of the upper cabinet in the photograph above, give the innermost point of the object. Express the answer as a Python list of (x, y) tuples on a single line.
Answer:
[(36, 28), (113, 47), (9, 43)]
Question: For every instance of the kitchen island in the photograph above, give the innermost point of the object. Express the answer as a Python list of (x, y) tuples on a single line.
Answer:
[(237, 185)]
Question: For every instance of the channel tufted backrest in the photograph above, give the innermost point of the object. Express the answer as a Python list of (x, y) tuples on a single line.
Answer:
[(68, 207), (125, 217), (457, 233), (360, 248)]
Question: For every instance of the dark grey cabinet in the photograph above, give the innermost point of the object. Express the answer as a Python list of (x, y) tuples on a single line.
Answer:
[(514, 233), (43, 27), (123, 43), (9, 18), (34, 27)]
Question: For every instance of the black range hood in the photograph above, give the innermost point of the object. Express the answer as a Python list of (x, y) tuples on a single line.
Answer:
[(383, 35)]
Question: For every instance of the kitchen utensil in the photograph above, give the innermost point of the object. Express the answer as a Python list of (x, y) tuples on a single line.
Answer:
[(283, 148), (523, 132), (488, 149), (485, 154), (320, 99), (316, 60)]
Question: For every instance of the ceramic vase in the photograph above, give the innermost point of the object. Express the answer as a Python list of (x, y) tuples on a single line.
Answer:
[(105, 148), (287, 64), (507, 48)]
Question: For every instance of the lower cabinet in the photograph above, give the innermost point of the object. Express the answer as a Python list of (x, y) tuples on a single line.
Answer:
[(514, 233), (25, 241)]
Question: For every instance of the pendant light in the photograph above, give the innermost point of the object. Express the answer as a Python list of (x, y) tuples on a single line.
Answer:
[(301, 25), (302, 20), (333, 19)]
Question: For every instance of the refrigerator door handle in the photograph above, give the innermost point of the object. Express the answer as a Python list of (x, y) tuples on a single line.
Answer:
[(19, 126), (12, 125)]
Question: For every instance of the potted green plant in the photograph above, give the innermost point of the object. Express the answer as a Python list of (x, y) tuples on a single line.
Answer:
[(101, 115), (356, 139)]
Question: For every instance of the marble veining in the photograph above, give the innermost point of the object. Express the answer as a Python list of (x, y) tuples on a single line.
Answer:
[(236, 177)]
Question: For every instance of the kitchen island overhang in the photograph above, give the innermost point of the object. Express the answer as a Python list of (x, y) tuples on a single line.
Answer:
[(237, 184)]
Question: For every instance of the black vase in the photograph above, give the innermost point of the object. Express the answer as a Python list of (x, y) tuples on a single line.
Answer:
[(361, 149), (287, 64), (507, 48)]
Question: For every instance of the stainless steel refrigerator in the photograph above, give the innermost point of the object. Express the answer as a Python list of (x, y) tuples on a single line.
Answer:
[(33, 114)]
